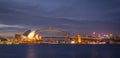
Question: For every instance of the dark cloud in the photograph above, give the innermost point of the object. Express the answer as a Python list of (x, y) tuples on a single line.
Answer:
[(72, 15)]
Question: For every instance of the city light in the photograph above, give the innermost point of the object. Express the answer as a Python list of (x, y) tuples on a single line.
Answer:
[(72, 42), (33, 37)]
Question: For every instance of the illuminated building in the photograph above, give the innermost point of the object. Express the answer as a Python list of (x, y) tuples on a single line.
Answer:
[(107, 36), (99, 36), (93, 35), (72, 42), (26, 33), (29, 35), (78, 38)]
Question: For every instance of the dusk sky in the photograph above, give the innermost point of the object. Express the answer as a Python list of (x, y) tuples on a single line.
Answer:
[(70, 15)]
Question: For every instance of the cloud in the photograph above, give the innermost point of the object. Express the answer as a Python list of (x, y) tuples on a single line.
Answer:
[(11, 26), (74, 14)]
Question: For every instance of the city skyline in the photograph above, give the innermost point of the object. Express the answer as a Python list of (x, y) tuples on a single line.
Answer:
[(72, 16)]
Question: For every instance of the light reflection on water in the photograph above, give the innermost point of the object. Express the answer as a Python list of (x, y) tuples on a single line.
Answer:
[(59, 51), (31, 53)]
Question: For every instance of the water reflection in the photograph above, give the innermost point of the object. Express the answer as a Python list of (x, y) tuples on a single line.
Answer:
[(31, 53), (59, 51), (98, 52)]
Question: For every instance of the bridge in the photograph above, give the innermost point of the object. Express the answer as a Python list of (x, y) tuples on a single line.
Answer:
[(54, 33), (55, 37)]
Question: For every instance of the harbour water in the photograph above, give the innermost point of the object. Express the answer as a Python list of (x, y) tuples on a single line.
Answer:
[(60, 51)]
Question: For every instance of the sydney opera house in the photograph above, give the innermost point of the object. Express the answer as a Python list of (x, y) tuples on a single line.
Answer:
[(29, 35)]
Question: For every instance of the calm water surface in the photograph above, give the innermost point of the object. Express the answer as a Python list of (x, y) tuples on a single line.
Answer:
[(60, 51)]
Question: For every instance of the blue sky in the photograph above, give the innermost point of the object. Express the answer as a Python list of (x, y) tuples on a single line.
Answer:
[(70, 15)]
